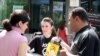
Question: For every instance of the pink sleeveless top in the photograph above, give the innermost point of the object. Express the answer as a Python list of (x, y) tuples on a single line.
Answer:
[(9, 43)]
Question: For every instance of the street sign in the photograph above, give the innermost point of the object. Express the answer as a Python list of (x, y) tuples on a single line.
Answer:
[(74, 3), (18, 7)]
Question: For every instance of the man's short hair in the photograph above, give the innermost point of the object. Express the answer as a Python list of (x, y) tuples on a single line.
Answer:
[(81, 12)]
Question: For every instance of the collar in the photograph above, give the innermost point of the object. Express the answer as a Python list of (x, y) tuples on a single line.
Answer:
[(17, 29), (82, 29)]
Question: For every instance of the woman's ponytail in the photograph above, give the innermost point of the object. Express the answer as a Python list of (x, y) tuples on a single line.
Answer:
[(6, 25)]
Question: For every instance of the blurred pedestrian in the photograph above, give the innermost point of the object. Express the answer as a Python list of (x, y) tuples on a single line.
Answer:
[(62, 31)]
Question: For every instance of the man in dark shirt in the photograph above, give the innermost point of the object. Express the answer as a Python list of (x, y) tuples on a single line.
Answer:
[(86, 41)]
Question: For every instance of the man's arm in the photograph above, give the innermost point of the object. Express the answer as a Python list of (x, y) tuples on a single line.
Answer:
[(64, 45)]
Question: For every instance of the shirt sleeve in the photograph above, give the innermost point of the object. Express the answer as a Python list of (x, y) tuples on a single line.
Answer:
[(23, 39), (87, 45), (33, 43)]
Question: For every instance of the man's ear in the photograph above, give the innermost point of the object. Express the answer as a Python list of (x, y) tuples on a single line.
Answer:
[(77, 18)]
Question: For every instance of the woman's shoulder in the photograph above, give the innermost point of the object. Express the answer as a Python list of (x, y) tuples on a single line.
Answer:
[(2, 33), (23, 39), (37, 36)]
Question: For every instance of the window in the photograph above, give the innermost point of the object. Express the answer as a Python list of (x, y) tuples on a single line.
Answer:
[(58, 12), (96, 6), (93, 9), (92, 6)]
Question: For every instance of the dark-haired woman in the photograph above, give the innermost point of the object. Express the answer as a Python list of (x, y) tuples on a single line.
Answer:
[(13, 43)]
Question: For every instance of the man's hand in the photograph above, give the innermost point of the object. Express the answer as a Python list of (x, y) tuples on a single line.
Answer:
[(55, 39)]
